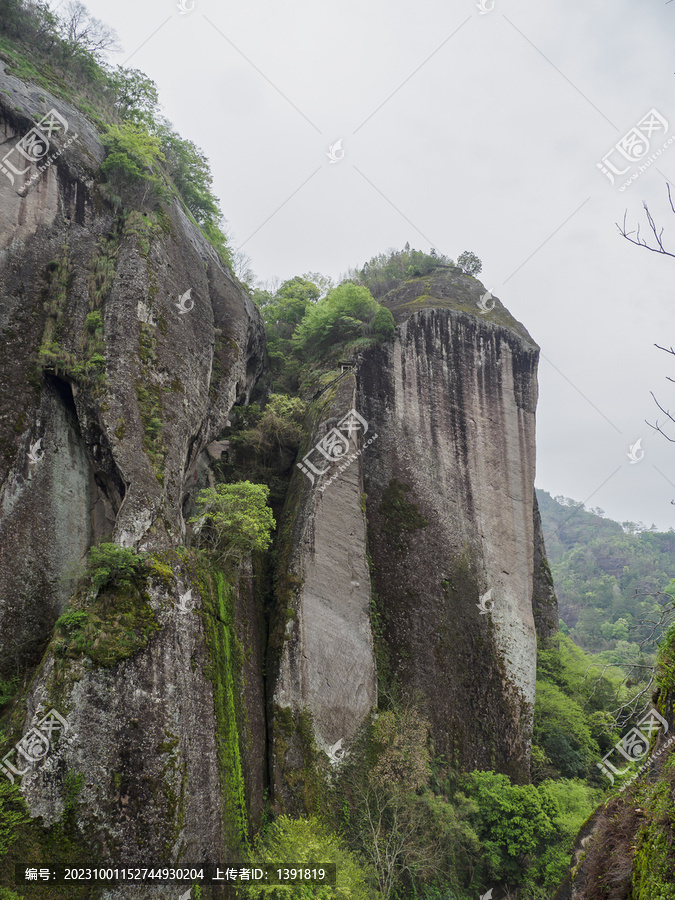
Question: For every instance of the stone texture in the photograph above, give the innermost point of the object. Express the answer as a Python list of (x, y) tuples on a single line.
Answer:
[(453, 401), (327, 663), (195, 366), (143, 732)]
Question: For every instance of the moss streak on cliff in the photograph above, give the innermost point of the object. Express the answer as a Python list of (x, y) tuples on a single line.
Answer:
[(225, 673)]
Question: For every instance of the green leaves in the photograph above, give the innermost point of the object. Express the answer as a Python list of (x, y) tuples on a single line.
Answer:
[(111, 565), (309, 843), (234, 520), (347, 313), (132, 161)]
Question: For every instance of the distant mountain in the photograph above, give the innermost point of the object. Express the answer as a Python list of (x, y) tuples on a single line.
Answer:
[(609, 577)]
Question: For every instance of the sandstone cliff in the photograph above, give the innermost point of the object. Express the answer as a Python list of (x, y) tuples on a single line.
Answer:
[(110, 394), (413, 567), (451, 517)]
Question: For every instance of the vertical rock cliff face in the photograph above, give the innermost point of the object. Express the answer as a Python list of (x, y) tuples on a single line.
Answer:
[(327, 666), (451, 519), (109, 395)]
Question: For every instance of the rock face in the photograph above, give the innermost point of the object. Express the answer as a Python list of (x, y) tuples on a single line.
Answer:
[(328, 663), (410, 560), (450, 488), (453, 533), (123, 391), (113, 382)]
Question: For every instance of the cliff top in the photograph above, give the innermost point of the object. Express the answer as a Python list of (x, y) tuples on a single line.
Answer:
[(451, 289)]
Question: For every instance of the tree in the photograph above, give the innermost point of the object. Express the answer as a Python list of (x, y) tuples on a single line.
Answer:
[(346, 314), (234, 520), (85, 34), (132, 161), (134, 96), (639, 241), (470, 263)]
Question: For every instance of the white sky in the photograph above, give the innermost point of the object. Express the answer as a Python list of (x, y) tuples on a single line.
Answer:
[(460, 131)]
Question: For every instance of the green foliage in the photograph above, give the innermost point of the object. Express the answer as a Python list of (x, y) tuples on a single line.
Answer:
[(13, 813), (277, 431), (384, 327), (134, 96), (115, 620), (234, 520), (72, 620), (225, 667), (8, 689), (572, 730), (113, 566), (512, 821), (149, 398), (346, 314), (310, 843), (401, 740), (6, 894), (666, 662), (387, 271), (132, 163), (563, 732), (611, 583), (469, 263), (653, 869)]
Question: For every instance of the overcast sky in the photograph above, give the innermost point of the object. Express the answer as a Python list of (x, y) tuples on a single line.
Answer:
[(460, 130)]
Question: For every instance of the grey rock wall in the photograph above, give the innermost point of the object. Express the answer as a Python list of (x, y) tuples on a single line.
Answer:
[(327, 662), (454, 402)]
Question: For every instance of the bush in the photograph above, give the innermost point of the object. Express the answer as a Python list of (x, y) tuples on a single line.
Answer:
[(513, 822), (132, 162), (278, 431), (113, 566), (387, 271), (309, 843), (13, 813), (72, 620)]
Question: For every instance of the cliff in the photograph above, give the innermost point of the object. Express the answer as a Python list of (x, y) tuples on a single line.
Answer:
[(110, 394), (447, 492), (408, 566)]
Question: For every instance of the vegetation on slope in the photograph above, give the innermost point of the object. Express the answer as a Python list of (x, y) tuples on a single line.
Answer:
[(147, 161)]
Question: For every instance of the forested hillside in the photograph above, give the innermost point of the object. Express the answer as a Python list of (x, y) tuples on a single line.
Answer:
[(611, 579)]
